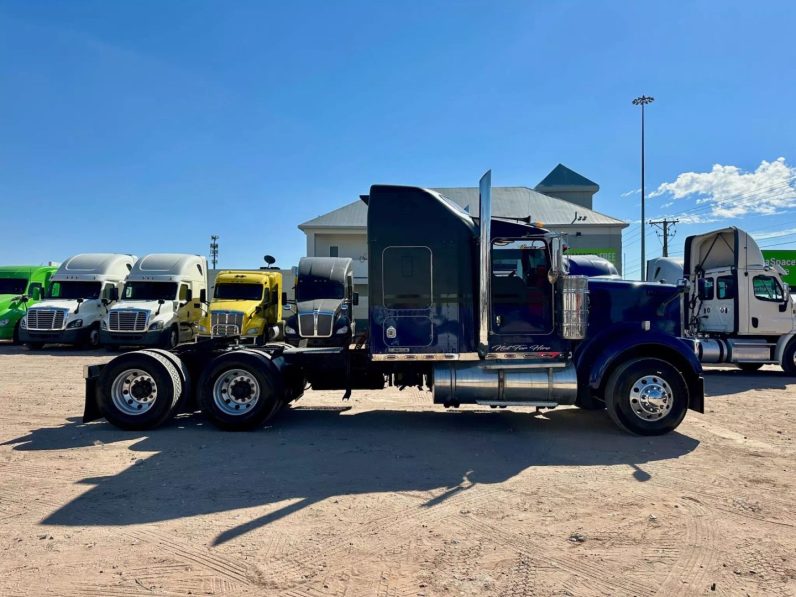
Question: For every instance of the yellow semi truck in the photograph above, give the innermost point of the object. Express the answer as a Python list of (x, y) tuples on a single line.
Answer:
[(247, 304)]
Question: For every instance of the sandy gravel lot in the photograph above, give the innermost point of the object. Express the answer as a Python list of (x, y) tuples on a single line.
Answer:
[(393, 497)]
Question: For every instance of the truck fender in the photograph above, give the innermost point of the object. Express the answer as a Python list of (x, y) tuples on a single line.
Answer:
[(597, 359), (782, 343)]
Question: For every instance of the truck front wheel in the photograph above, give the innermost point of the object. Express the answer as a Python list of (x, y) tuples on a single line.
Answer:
[(171, 338), (646, 396), (789, 359)]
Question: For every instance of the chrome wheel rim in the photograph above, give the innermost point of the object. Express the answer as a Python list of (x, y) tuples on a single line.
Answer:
[(651, 398), (134, 392), (236, 392)]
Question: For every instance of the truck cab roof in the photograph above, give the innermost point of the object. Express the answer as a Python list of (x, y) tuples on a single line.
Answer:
[(94, 267), (169, 267), (232, 276)]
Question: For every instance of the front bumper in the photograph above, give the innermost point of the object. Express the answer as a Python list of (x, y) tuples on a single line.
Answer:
[(336, 341), (74, 336), (7, 332), (156, 338)]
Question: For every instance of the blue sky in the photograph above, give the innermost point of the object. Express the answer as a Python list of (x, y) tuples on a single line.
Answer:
[(146, 126)]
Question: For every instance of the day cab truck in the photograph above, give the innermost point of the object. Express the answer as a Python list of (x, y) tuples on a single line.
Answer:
[(78, 295), (737, 309), (325, 297), (245, 305), (480, 310), (162, 303), (21, 287)]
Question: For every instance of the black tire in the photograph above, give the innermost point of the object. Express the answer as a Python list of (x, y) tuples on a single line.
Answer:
[(92, 338), (171, 339), (35, 345), (749, 367), (157, 368), (631, 377), (789, 359), (182, 369), (261, 377), (15, 336)]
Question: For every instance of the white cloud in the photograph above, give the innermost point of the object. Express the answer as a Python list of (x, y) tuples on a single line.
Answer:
[(728, 191), (629, 193), (776, 234)]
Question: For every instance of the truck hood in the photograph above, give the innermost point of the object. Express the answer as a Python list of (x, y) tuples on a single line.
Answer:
[(325, 305), (8, 302), (151, 306), (90, 310)]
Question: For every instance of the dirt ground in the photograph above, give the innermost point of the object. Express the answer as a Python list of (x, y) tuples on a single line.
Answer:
[(394, 496)]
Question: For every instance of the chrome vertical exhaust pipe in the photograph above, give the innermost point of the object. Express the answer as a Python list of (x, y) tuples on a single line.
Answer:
[(485, 244)]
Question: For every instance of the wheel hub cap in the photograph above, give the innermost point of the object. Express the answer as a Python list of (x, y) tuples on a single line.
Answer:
[(651, 398), (134, 392), (236, 392)]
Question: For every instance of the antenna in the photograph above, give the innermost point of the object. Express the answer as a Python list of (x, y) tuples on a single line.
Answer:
[(214, 249)]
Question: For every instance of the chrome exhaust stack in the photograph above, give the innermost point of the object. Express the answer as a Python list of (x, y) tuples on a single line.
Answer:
[(485, 242)]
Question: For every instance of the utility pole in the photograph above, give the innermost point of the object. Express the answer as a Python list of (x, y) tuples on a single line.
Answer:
[(214, 249), (643, 101), (664, 225)]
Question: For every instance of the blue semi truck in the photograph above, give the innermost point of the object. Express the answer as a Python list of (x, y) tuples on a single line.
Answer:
[(479, 310)]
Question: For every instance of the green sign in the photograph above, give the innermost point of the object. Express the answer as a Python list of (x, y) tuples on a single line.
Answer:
[(608, 254), (786, 260)]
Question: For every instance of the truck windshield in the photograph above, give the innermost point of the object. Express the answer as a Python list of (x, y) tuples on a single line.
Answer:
[(241, 292), (74, 290), (310, 289), (150, 291), (13, 285)]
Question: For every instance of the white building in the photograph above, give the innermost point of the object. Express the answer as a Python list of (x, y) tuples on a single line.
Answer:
[(562, 202)]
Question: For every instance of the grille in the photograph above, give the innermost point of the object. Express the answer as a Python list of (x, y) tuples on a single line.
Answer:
[(46, 319), (315, 325), (128, 321), (226, 323)]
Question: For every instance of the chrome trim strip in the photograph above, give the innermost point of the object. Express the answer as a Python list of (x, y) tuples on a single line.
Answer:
[(510, 403), (431, 356)]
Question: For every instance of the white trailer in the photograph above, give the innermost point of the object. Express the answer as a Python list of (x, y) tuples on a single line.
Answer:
[(737, 309), (77, 298), (162, 303)]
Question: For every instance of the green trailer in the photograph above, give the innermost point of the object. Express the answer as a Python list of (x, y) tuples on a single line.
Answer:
[(21, 286)]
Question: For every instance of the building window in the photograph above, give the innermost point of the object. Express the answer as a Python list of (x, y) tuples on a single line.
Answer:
[(334, 251)]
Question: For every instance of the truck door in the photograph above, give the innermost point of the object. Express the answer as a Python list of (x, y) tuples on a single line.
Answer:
[(522, 296), (717, 297), (766, 301)]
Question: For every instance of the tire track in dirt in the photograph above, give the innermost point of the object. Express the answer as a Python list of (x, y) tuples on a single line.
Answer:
[(224, 567), (591, 573)]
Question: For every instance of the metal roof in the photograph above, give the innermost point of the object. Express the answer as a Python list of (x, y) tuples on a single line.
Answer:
[(507, 202)]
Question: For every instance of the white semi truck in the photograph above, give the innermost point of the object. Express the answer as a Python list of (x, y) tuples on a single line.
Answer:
[(736, 308), (77, 298), (162, 303)]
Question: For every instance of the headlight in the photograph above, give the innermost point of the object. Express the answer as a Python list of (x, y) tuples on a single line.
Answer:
[(4, 322), (155, 326), (103, 325), (23, 323), (289, 330), (252, 332), (77, 323), (342, 330)]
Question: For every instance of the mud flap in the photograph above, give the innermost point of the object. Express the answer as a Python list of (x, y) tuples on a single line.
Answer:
[(91, 411), (697, 391)]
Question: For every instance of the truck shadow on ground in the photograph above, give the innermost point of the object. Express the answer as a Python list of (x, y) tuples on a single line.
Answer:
[(312, 455), (724, 382)]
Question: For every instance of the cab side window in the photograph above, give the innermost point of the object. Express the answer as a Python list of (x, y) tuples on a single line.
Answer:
[(706, 289), (35, 290), (183, 292), (767, 288), (267, 297), (725, 287)]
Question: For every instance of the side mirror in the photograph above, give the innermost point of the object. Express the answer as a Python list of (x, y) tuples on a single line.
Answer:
[(35, 293), (189, 296), (23, 298), (284, 298), (355, 299), (114, 294), (203, 295), (683, 285)]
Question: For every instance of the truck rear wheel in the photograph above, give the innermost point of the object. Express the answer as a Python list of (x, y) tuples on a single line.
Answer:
[(238, 391), (646, 396), (789, 359), (139, 390)]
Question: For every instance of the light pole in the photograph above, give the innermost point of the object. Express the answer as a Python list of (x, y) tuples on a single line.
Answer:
[(214, 249), (643, 101)]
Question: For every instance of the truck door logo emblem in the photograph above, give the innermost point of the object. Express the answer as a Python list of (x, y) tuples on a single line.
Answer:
[(391, 333), (521, 348)]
